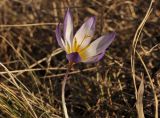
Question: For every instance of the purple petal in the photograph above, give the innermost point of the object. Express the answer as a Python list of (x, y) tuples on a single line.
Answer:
[(100, 45), (105, 41), (94, 58), (59, 37), (73, 57), (97, 47), (85, 33), (68, 27)]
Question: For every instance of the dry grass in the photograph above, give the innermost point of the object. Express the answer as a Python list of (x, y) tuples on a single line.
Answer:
[(126, 83)]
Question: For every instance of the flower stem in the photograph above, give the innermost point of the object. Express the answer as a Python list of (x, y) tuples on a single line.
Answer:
[(63, 91)]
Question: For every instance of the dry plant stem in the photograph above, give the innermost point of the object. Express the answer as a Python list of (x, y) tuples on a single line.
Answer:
[(26, 25), (63, 91), (135, 42)]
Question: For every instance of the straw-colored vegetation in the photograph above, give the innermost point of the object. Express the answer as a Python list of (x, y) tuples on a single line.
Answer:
[(125, 83)]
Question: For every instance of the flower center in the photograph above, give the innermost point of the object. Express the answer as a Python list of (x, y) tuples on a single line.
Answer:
[(73, 57)]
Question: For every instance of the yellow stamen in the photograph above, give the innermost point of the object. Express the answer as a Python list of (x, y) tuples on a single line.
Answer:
[(76, 46), (68, 48)]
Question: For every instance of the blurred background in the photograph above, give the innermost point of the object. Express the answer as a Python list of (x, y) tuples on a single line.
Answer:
[(33, 66)]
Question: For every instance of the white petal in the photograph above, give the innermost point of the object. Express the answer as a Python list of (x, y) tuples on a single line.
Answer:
[(94, 58), (85, 33), (68, 27), (98, 46)]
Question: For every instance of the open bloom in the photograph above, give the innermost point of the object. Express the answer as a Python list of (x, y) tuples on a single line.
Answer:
[(79, 47)]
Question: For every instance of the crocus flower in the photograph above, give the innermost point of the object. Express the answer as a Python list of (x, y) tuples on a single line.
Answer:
[(79, 47)]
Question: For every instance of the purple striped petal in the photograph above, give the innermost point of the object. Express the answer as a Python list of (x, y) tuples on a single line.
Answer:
[(59, 37), (68, 27), (85, 33), (73, 57), (94, 58), (104, 42), (98, 46)]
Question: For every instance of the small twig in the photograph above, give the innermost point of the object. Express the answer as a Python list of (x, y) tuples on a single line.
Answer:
[(70, 73), (32, 69), (25, 25)]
